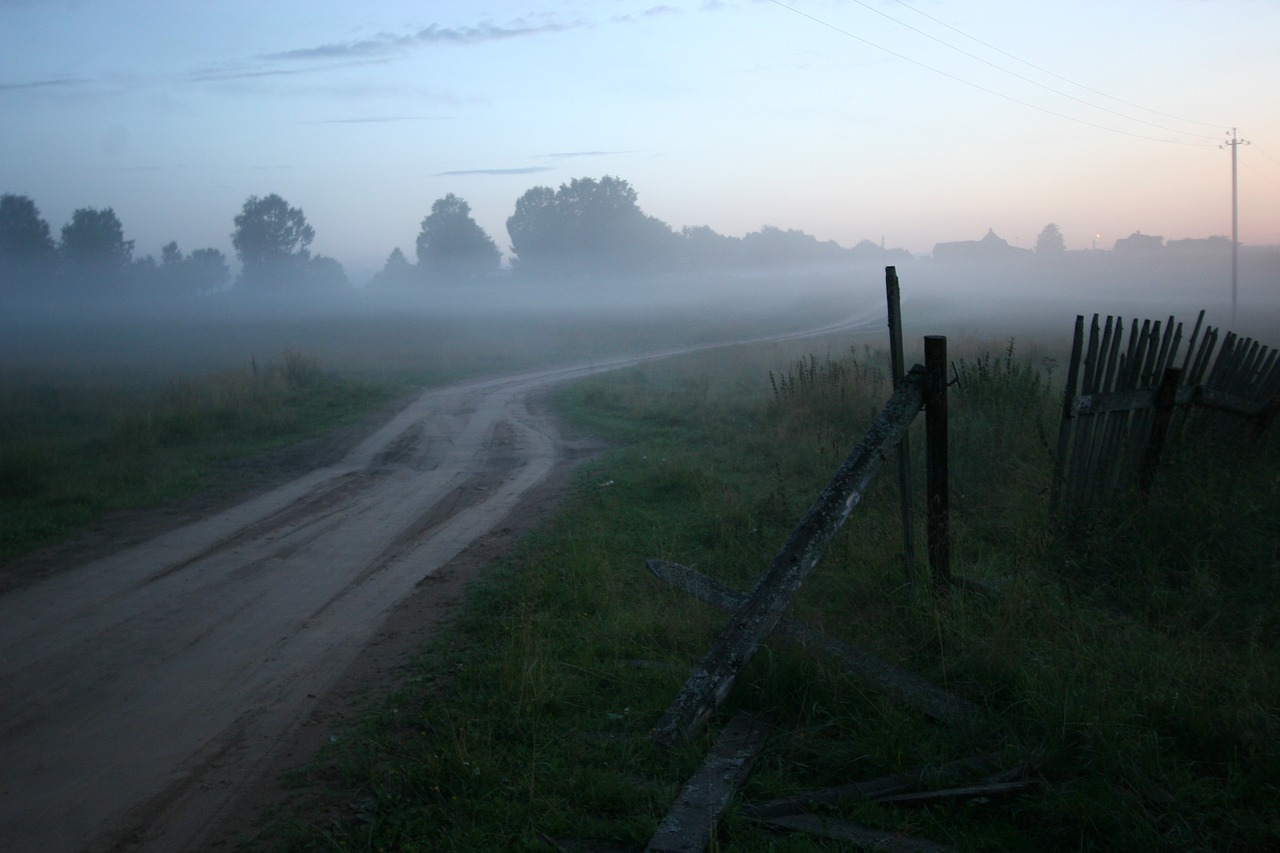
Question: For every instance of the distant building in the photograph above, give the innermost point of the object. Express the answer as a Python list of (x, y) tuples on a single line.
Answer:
[(1204, 244), (1139, 242), (988, 248)]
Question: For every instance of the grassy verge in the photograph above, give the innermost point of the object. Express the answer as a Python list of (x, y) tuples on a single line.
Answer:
[(1135, 665), (68, 453)]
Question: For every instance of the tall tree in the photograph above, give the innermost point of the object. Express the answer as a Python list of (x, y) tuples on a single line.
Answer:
[(452, 245), (589, 226), (271, 240), (1050, 241), (27, 252), (93, 248), (535, 228)]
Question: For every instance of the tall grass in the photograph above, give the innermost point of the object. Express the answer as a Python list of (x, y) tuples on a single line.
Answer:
[(68, 454), (1136, 667)]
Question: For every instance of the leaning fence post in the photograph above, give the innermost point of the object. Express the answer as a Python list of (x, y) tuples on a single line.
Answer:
[(893, 297), (936, 461), (1166, 397)]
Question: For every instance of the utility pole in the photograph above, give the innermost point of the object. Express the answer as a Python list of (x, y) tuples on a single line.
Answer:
[(1235, 220)]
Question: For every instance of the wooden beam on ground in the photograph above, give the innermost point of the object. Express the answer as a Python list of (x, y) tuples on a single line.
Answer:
[(969, 792), (711, 682), (858, 835), (696, 813), (905, 687), (873, 789)]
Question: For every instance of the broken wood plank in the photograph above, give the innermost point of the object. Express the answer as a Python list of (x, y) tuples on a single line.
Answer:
[(862, 836), (905, 687), (875, 789), (696, 813), (711, 682), (970, 792)]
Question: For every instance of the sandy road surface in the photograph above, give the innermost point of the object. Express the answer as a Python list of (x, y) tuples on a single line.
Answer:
[(137, 692)]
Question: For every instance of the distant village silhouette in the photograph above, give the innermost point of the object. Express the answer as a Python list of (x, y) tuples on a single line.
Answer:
[(994, 247)]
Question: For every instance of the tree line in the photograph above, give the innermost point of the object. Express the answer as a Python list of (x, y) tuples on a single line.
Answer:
[(586, 229)]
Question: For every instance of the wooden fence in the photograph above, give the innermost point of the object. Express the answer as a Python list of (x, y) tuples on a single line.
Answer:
[(692, 820), (1120, 400), (1117, 410)]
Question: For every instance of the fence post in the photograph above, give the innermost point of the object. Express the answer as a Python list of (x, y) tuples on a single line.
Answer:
[(897, 364), (1166, 397), (936, 460)]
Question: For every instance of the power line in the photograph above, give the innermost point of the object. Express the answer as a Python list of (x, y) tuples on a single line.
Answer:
[(1058, 76), (1023, 77), (1264, 177), (1259, 149), (982, 88)]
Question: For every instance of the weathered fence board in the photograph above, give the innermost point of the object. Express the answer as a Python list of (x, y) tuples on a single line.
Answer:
[(937, 463), (877, 788), (1114, 421), (861, 836), (711, 682), (905, 687), (898, 365), (693, 818)]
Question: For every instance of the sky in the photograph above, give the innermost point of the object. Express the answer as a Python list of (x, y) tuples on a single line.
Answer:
[(909, 122)]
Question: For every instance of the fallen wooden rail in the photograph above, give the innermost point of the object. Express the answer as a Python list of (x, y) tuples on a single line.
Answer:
[(696, 813), (905, 687), (861, 836), (711, 682), (875, 789)]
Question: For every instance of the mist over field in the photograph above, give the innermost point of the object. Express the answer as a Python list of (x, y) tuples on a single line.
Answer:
[(516, 321)]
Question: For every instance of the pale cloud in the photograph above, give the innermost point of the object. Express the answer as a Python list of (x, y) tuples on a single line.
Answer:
[(378, 119), (562, 155), (389, 44), (55, 83), (520, 170)]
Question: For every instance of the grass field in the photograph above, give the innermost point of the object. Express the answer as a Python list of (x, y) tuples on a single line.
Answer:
[(125, 406), (69, 453), (1134, 665)]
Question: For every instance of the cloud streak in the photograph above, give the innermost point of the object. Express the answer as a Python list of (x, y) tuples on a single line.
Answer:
[(377, 120), (566, 155), (388, 44), (55, 83), (521, 170)]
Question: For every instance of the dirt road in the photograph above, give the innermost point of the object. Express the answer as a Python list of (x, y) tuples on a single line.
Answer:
[(140, 691)]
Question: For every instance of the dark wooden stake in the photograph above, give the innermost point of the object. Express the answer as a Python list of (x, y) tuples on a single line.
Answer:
[(936, 461), (714, 677), (893, 297), (1064, 429), (1166, 397)]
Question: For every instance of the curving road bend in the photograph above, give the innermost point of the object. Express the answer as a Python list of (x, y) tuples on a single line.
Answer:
[(138, 691)]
